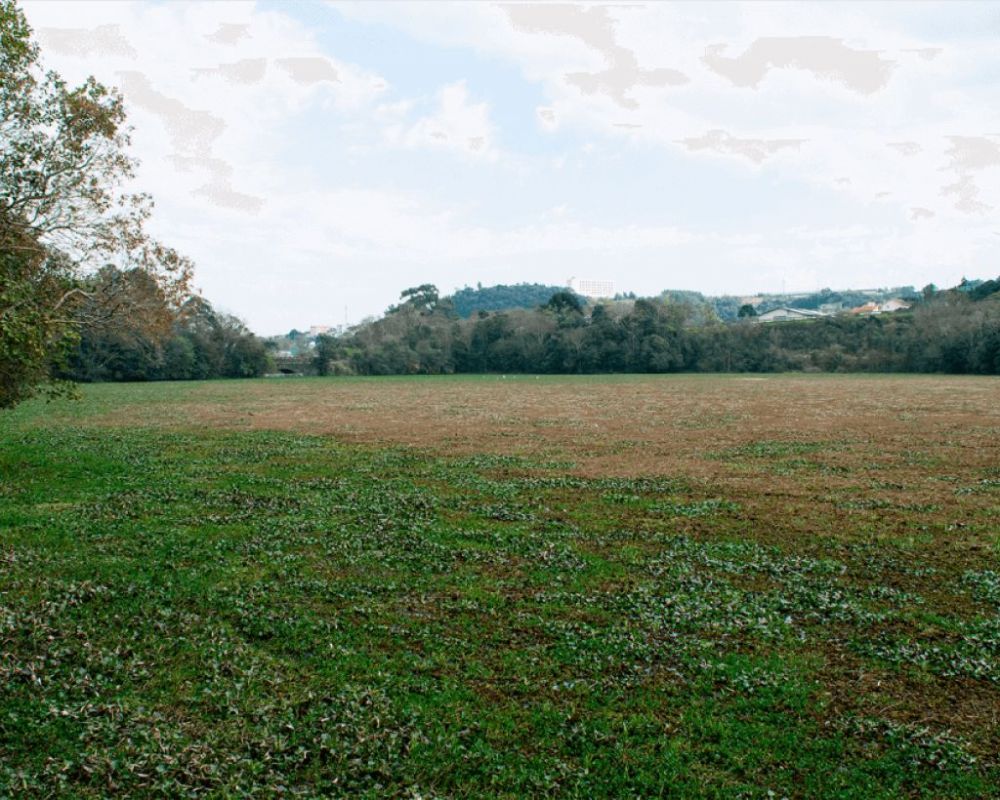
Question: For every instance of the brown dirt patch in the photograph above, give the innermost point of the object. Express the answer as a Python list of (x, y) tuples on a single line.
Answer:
[(877, 451), (619, 424)]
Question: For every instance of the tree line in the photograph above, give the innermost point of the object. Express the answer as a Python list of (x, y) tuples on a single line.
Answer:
[(133, 334), (952, 331)]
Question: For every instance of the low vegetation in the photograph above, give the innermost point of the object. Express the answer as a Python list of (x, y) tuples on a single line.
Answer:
[(457, 587)]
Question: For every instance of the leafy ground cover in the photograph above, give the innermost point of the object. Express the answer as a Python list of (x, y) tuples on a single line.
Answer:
[(608, 587)]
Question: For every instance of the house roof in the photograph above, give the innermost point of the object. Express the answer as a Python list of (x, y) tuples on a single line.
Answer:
[(802, 312)]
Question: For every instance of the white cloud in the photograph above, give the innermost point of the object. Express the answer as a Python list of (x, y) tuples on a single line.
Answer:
[(217, 79), (755, 150), (850, 79), (456, 124)]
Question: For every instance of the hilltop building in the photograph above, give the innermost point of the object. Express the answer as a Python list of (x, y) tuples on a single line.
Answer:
[(595, 289), (786, 314), (887, 307)]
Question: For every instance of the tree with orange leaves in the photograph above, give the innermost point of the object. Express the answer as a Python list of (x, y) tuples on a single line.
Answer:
[(65, 213)]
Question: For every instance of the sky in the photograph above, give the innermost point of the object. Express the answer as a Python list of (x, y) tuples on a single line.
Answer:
[(316, 158)]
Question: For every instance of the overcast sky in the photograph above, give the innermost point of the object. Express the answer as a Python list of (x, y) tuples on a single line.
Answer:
[(315, 157)]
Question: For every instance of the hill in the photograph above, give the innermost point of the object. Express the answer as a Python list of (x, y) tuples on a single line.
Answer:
[(468, 301)]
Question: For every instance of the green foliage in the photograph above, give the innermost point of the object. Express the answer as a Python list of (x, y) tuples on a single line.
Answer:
[(956, 331), (564, 302), (197, 342), (32, 338), (63, 213), (331, 357), (468, 301), (984, 289), (423, 298)]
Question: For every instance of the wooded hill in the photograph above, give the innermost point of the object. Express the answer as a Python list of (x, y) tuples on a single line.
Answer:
[(467, 302)]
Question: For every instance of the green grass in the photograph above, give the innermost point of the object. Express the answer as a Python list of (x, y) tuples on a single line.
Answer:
[(209, 613)]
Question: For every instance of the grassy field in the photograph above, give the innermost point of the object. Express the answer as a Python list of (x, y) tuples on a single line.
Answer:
[(503, 587)]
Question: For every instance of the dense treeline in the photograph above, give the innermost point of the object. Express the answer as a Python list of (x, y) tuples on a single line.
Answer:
[(955, 331), (133, 334)]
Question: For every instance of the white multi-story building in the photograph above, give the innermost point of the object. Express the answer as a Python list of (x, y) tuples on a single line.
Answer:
[(785, 314), (592, 288)]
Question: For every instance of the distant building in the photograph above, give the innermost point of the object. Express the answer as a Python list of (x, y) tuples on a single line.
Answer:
[(887, 307), (785, 314), (317, 330), (591, 288)]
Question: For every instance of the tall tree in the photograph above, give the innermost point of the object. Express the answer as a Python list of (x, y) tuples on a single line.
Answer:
[(65, 210)]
